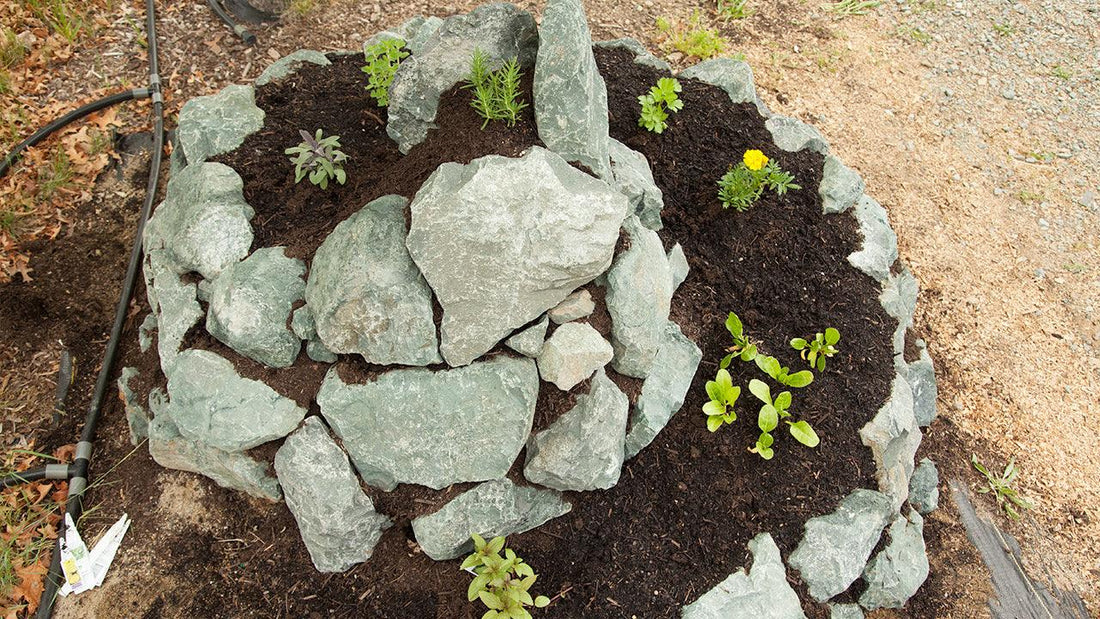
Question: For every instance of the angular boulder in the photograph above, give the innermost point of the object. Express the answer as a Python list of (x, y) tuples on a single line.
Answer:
[(501, 31), (335, 517), (632, 177), (289, 64), (570, 94), (575, 306), (136, 416), (250, 303), (895, 574), (921, 375), (434, 428), (678, 267), (502, 240), (583, 449), (893, 436), (366, 295), (642, 55), (175, 303), (899, 299), (212, 404), (572, 354), (490, 509), (762, 593), (840, 186), (880, 244), (732, 76), (529, 341), (664, 390), (639, 297), (835, 547), (924, 487), (845, 611), (218, 123), (793, 135)]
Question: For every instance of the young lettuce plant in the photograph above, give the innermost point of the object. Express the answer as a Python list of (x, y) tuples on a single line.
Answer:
[(1001, 487), (768, 419), (382, 60), (496, 93), (654, 104), (501, 583), (781, 374), (742, 185), (816, 350), (319, 158), (723, 394), (741, 347)]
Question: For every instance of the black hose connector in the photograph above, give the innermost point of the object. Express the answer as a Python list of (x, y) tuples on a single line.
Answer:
[(239, 30), (50, 471)]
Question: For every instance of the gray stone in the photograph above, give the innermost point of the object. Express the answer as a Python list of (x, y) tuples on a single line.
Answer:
[(793, 135), (835, 547), (583, 449), (415, 32), (639, 296), (136, 416), (642, 55), (880, 244), (894, 437), (678, 267), (365, 293), (176, 161), (434, 428), (732, 76), (501, 31), (213, 404), (502, 240), (493, 508), (575, 306), (572, 354), (175, 303), (896, 573), (233, 470), (202, 225), (762, 593), (315, 349), (250, 303), (845, 611), (840, 187), (529, 341), (899, 299), (145, 331), (922, 378), (335, 517), (664, 390), (924, 487), (570, 94), (218, 123), (302, 324), (632, 177), (289, 64)]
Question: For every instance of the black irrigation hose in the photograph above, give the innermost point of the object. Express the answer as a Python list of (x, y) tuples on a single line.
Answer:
[(78, 470), (241, 31), (50, 471), (81, 112)]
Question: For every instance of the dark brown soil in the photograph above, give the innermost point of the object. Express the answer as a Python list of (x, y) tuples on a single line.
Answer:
[(678, 521)]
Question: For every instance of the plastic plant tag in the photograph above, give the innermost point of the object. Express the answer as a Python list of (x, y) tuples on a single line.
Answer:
[(85, 569)]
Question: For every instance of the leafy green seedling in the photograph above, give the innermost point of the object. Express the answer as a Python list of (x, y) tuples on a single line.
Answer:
[(847, 8), (1001, 487), (661, 97), (319, 158), (741, 347), (781, 374), (723, 394), (741, 186), (691, 39), (382, 60), (768, 419), (816, 350), (733, 9), (501, 583), (496, 93)]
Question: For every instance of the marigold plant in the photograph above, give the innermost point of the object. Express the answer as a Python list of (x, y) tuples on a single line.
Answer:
[(742, 185)]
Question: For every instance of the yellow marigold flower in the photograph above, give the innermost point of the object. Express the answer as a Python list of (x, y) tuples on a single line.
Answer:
[(755, 160)]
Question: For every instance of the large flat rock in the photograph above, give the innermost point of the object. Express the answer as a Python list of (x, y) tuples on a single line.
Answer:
[(632, 177), (335, 517), (895, 574), (502, 240), (218, 123), (434, 428), (664, 390), (366, 294), (893, 436), (761, 593), (639, 297)]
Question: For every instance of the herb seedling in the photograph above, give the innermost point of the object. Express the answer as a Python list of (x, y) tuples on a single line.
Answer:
[(1001, 487), (741, 347), (768, 419), (733, 9), (742, 185), (723, 394), (691, 39), (781, 374), (319, 158), (496, 93), (501, 583), (816, 350), (382, 60), (654, 104)]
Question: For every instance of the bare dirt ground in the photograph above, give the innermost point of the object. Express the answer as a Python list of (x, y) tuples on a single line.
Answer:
[(977, 125)]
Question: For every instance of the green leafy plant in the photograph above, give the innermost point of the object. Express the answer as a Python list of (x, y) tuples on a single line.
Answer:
[(501, 583), (318, 157), (768, 419), (741, 347), (733, 9), (817, 349), (847, 8), (1001, 487), (382, 60), (1004, 29), (742, 185), (780, 374), (692, 39), (496, 93), (661, 97), (723, 394)]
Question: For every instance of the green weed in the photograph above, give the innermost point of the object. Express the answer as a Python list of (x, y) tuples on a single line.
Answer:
[(1004, 29), (733, 9), (60, 15), (54, 177), (1008, 498), (12, 50), (848, 8), (693, 38)]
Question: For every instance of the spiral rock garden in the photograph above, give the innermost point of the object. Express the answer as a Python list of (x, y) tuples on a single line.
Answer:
[(508, 328)]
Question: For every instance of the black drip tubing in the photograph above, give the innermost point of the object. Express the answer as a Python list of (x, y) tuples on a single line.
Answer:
[(239, 30)]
